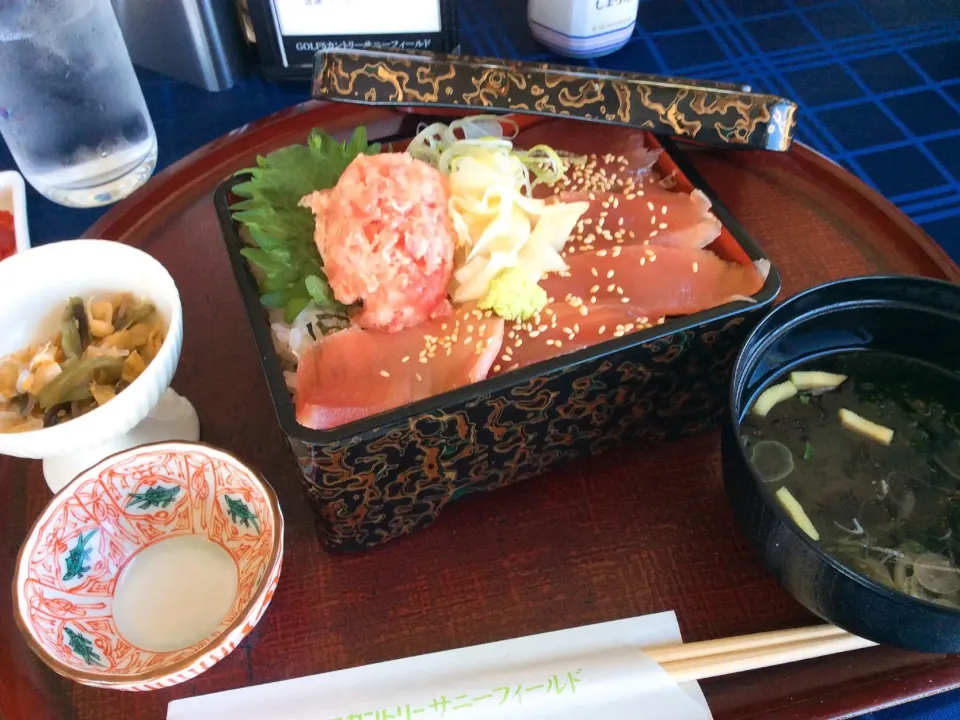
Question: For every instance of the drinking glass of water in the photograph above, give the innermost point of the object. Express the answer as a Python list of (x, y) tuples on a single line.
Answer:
[(71, 109)]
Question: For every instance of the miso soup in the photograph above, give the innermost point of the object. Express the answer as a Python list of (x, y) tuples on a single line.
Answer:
[(863, 450)]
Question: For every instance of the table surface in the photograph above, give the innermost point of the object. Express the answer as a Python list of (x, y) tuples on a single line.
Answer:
[(878, 81)]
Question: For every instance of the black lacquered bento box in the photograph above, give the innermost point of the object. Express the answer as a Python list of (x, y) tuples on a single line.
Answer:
[(391, 474)]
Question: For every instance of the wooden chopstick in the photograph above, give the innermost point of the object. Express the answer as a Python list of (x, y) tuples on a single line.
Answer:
[(697, 661)]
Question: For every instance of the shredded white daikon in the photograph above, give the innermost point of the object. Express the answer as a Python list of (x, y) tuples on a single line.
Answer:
[(498, 227)]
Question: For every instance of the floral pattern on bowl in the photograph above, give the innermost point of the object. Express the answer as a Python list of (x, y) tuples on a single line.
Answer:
[(68, 568)]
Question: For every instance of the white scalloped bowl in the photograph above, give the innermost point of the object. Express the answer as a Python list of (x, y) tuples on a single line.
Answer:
[(34, 286)]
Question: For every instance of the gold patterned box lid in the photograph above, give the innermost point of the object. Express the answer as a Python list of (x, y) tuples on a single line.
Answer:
[(713, 113)]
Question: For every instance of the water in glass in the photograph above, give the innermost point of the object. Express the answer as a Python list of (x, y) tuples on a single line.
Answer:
[(71, 108)]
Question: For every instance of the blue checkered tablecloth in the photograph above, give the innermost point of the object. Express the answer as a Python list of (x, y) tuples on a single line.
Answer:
[(878, 82)]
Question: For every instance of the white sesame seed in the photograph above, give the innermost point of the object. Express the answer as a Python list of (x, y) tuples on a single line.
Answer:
[(625, 300), (653, 219), (419, 379), (662, 226), (611, 286), (601, 253), (609, 274), (584, 310), (496, 368), (643, 261), (663, 210), (602, 329), (550, 342), (423, 359), (696, 266), (593, 271), (533, 334), (649, 206), (405, 359)]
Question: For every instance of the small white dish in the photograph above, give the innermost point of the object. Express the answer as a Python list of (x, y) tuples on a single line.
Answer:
[(13, 199), (34, 286)]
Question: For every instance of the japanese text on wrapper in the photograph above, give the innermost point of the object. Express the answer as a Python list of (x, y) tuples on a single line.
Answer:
[(352, 44), (449, 705)]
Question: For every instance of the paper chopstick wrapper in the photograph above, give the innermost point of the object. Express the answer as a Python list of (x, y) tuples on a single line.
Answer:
[(568, 675), (714, 113)]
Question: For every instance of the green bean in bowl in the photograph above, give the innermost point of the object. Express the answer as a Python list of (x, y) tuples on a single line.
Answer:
[(104, 343)]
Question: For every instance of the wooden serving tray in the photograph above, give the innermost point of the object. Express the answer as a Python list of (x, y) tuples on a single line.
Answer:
[(622, 534)]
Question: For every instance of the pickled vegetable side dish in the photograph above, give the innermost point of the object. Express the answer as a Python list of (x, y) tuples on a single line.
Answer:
[(103, 345), (862, 449)]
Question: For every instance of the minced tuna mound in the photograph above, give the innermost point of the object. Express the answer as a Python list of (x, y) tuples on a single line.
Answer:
[(387, 239)]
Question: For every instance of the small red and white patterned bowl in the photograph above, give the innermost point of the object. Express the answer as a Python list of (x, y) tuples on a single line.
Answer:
[(69, 566)]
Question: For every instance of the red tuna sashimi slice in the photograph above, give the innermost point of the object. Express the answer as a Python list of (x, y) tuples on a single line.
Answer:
[(649, 215), (654, 281), (561, 328), (623, 164), (357, 373)]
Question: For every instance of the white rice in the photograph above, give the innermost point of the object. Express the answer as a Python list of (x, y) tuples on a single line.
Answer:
[(292, 340)]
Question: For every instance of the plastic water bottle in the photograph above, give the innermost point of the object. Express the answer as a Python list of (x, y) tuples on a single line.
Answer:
[(71, 108), (583, 28)]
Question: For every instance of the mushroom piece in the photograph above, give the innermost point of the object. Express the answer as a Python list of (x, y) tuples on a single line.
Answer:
[(772, 396), (815, 380), (797, 513), (851, 421)]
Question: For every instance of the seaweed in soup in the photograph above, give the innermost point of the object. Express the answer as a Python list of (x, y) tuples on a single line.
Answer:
[(868, 464)]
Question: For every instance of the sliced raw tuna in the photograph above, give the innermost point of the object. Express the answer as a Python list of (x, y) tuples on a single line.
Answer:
[(650, 215), (647, 284), (653, 281), (624, 165), (357, 373), (561, 328)]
